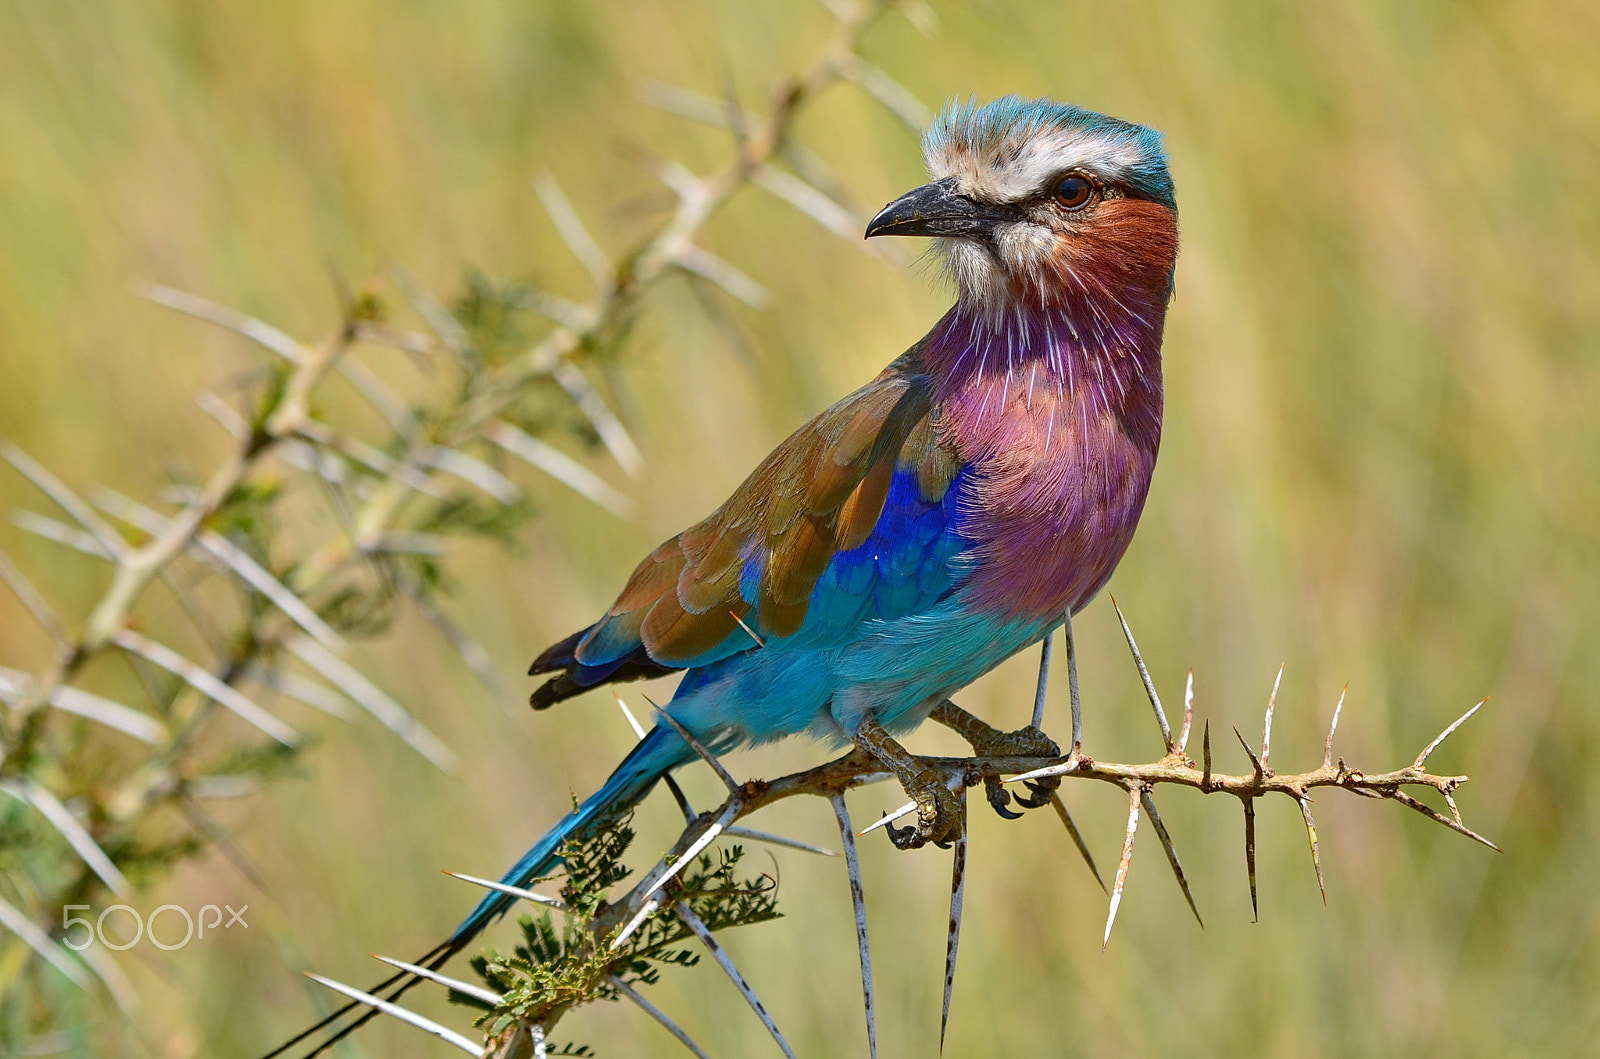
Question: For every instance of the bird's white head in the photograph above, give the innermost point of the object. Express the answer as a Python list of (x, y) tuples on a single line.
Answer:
[(1041, 204)]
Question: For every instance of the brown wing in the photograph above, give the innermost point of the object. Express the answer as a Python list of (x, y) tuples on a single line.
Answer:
[(818, 493)]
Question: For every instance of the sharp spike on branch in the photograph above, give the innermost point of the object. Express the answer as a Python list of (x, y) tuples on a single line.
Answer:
[(30, 597), (507, 888), (1072, 686), (30, 792), (207, 684), (1250, 853), (656, 1013), (1405, 799), (1144, 675), (1449, 799), (613, 435), (1172, 853), (779, 840), (1447, 733), (713, 269), (572, 231), (396, 1011), (1316, 857), (858, 902), (1045, 647), (1266, 726), (1255, 762), (1188, 713), (558, 465), (1077, 837), (888, 818), (687, 857), (15, 684), (646, 910), (699, 748), (55, 955), (464, 988), (61, 533), (1205, 752), (371, 698), (1333, 726), (633, 722), (958, 892), (1122, 865), (261, 333), (693, 922), (65, 498)]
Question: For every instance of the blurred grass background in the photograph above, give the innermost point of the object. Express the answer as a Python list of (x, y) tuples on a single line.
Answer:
[(1380, 466)]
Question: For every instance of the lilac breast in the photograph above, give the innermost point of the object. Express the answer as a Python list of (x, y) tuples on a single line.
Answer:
[(1061, 443)]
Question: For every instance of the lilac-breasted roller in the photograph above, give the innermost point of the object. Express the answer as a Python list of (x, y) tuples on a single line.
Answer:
[(946, 515)]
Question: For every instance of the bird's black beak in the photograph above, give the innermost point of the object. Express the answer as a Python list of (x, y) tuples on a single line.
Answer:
[(938, 208)]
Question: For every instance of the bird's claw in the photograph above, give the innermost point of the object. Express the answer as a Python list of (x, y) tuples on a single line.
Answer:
[(1024, 742), (940, 816)]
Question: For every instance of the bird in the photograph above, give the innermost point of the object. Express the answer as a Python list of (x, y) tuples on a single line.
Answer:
[(954, 510)]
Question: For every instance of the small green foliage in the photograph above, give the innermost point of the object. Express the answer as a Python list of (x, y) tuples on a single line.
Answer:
[(560, 967), (497, 319)]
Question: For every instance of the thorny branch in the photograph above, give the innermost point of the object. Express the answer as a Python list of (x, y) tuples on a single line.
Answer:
[(386, 497)]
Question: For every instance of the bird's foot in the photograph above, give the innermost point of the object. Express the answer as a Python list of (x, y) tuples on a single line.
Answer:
[(988, 741), (941, 813), (939, 792)]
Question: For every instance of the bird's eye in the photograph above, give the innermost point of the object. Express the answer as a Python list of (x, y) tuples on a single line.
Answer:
[(1074, 192)]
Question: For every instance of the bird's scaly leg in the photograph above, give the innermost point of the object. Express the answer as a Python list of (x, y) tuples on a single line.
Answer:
[(939, 813), (989, 741)]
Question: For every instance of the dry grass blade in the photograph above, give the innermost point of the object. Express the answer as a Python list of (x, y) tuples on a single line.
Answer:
[(367, 695), (1446, 734), (693, 922), (207, 684), (656, 1013), (958, 894), (261, 333), (858, 903), (1122, 865), (507, 888), (558, 465), (410, 1018), (1144, 675), (1172, 853), (1077, 837), (1045, 648), (1316, 855), (464, 988), (29, 792), (41, 943), (65, 498), (30, 597)]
